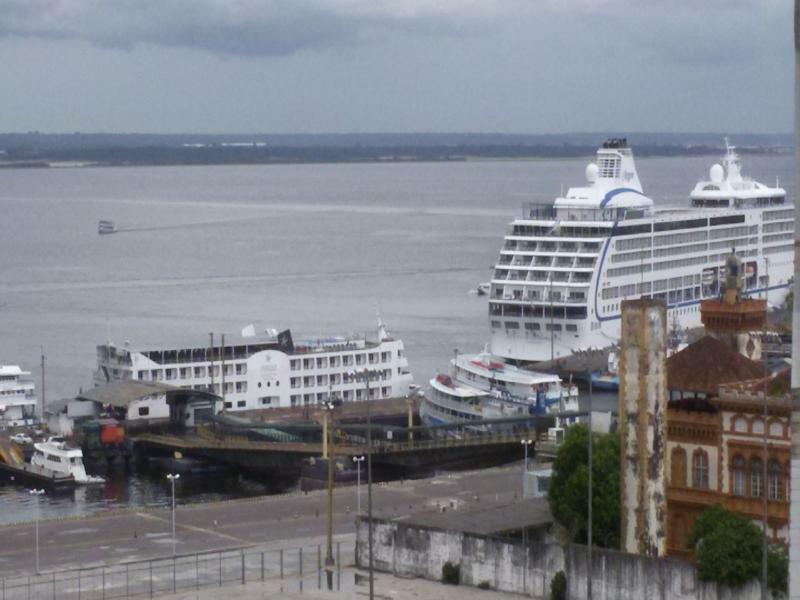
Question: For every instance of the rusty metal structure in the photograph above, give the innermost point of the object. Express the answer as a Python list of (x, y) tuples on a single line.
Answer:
[(643, 398)]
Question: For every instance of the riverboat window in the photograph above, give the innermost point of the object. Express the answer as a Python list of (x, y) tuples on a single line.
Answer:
[(294, 399), (322, 362), (778, 249), (532, 326), (512, 325), (241, 404), (229, 405), (727, 219), (631, 229), (730, 232), (241, 386), (675, 225), (53, 458), (199, 372), (241, 369), (778, 214), (576, 312), (294, 364), (144, 411), (554, 327), (140, 375), (572, 327)]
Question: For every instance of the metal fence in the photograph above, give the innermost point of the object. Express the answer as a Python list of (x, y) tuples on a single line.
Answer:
[(292, 569)]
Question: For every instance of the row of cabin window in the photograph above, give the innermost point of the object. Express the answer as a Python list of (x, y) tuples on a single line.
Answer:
[(323, 362)]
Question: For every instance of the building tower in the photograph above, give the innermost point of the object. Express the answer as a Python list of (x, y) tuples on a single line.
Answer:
[(643, 428), (734, 319)]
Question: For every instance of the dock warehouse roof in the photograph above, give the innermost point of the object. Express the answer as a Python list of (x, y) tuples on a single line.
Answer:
[(123, 393)]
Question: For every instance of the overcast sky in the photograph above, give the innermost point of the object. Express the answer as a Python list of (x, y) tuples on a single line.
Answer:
[(284, 66)]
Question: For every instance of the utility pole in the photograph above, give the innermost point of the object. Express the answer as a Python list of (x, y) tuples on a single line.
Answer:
[(222, 369), (211, 364), (329, 562), (591, 491), (42, 401), (369, 487)]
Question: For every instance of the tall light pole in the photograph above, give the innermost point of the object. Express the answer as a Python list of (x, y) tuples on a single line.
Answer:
[(525, 444), (366, 374), (591, 491), (37, 493), (358, 460), (794, 485), (329, 562), (173, 477)]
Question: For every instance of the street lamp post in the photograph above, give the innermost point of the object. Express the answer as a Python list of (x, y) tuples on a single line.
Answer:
[(358, 460), (366, 374), (591, 491), (36, 493), (329, 562), (172, 478), (525, 444)]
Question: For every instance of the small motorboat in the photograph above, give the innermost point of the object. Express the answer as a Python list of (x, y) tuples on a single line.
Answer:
[(105, 227), (483, 289), (58, 456)]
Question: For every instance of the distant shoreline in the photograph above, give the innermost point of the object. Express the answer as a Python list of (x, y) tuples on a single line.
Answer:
[(153, 157)]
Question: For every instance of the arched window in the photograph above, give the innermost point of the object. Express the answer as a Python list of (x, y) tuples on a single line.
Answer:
[(776, 429), (700, 470), (678, 467), (775, 480), (756, 477), (740, 424), (757, 426), (738, 475)]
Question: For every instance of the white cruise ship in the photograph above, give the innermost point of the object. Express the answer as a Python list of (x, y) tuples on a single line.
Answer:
[(253, 372), (565, 267), (17, 397)]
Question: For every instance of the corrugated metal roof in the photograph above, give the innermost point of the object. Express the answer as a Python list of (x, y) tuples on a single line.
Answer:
[(123, 393)]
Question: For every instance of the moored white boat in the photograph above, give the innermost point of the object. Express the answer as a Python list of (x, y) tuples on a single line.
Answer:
[(482, 386), (57, 455)]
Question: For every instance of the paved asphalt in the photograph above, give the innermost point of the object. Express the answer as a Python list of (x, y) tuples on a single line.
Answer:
[(267, 522)]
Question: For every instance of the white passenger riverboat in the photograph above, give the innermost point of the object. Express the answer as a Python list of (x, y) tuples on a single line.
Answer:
[(266, 371)]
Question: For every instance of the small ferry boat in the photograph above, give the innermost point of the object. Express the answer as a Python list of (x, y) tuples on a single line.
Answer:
[(483, 386), (105, 227), (58, 456)]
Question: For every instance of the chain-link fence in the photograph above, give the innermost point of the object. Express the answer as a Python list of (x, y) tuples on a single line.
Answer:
[(295, 568)]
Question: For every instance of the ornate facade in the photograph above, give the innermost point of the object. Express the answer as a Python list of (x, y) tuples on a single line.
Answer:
[(715, 455)]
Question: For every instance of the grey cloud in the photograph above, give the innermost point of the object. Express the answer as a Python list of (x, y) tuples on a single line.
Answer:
[(237, 27)]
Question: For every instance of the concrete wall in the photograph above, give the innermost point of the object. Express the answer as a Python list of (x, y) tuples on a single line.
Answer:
[(411, 551)]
